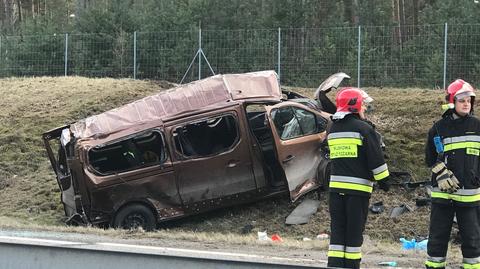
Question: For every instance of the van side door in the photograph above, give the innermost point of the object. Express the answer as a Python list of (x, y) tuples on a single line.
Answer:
[(298, 132), (212, 160)]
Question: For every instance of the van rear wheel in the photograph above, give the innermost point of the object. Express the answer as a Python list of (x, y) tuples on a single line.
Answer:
[(135, 216)]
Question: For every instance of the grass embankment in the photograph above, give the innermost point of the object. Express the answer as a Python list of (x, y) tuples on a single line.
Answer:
[(31, 106), (29, 196)]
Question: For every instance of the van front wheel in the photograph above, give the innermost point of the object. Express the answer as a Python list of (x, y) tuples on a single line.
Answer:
[(135, 216)]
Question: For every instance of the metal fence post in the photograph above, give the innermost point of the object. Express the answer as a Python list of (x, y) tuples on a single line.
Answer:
[(279, 54), (358, 55), (445, 56), (135, 55), (1, 60), (66, 54), (199, 56)]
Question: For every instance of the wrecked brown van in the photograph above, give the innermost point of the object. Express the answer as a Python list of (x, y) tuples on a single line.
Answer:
[(223, 140)]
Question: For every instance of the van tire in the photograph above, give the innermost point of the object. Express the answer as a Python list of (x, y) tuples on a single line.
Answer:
[(135, 216)]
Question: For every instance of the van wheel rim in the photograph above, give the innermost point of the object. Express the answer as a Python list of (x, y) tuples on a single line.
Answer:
[(134, 221)]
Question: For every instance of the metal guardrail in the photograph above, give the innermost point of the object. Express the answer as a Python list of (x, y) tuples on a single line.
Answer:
[(22, 252)]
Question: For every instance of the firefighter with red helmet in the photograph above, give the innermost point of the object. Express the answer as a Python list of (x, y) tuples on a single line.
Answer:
[(453, 152), (357, 162)]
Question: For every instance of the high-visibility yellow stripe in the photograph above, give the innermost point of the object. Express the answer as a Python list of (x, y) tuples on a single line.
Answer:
[(353, 256), (475, 152), (345, 141), (441, 195), (471, 266), (462, 145), (350, 186), (336, 254), (382, 175), (435, 264), (456, 197)]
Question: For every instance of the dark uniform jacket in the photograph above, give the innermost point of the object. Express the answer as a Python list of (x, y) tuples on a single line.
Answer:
[(461, 142), (357, 157)]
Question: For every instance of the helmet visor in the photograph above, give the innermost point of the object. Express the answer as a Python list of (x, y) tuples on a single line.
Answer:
[(462, 95), (366, 98)]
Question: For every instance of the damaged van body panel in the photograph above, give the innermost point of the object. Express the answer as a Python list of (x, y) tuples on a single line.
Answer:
[(212, 92), (223, 140), (61, 165), (298, 134)]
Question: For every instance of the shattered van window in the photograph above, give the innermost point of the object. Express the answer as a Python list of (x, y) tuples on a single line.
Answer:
[(139, 151), (292, 122), (208, 137), (306, 121)]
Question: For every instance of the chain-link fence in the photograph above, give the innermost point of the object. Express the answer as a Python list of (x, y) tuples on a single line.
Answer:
[(428, 55)]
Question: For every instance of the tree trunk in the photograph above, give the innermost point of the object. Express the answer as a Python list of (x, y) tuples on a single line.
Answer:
[(401, 13), (9, 20), (19, 6), (348, 11), (415, 16), (355, 18)]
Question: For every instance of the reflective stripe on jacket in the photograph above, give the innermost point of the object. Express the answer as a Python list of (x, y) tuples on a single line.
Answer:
[(461, 143), (357, 157)]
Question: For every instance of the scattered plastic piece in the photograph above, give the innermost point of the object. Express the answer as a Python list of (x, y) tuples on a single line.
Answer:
[(377, 207), (247, 229), (413, 244), (422, 245), (399, 210), (262, 236), (423, 201), (307, 239), (406, 244), (303, 212), (390, 264), (276, 238), (323, 236)]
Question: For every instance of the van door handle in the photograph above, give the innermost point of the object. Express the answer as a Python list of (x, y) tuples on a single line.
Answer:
[(289, 158), (232, 163)]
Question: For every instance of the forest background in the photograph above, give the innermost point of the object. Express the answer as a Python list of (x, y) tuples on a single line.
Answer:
[(378, 42)]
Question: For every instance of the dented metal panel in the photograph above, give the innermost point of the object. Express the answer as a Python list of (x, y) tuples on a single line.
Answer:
[(218, 175), (299, 156), (195, 96), (210, 151)]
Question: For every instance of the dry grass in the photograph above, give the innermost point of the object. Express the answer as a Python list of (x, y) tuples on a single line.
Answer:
[(30, 199), (31, 106)]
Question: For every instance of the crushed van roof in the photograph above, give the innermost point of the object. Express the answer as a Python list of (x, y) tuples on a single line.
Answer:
[(191, 97)]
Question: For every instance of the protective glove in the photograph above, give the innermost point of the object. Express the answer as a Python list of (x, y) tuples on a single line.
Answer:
[(438, 167), (384, 184), (449, 184), (446, 180)]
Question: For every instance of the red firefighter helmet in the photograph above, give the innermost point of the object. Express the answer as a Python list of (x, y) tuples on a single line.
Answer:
[(457, 90), (350, 99)]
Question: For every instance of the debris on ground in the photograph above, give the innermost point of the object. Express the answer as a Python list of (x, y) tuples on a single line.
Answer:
[(413, 244), (423, 201), (377, 207), (247, 229), (399, 210), (263, 236), (303, 212), (276, 238), (389, 264), (323, 236)]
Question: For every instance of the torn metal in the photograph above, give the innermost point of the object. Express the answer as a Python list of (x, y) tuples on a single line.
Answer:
[(223, 140)]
